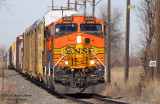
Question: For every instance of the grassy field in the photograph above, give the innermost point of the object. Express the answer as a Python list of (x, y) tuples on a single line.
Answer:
[(135, 88)]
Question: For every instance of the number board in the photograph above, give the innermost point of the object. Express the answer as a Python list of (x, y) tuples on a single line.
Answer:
[(152, 63), (67, 18)]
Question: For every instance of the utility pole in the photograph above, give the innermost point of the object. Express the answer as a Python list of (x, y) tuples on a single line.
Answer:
[(83, 4), (2, 76), (158, 40), (78, 3), (126, 73), (52, 5), (93, 9), (68, 4), (108, 44), (85, 7), (75, 5)]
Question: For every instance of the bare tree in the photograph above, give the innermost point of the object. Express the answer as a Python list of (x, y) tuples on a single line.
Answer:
[(2, 54), (2, 3), (115, 32), (147, 15)]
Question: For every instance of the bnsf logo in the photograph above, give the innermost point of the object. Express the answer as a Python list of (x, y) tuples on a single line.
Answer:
[(79, 51)]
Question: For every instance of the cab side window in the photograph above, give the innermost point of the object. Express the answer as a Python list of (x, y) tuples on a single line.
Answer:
[(51, 31)]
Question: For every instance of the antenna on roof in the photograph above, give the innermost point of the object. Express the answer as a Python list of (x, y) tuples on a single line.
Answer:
[(62, 10)]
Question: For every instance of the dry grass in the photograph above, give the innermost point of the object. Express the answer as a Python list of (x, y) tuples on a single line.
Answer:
[(135, 88), (151, 92)]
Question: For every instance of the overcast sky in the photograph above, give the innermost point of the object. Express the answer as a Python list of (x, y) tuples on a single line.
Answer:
[(21, 14)]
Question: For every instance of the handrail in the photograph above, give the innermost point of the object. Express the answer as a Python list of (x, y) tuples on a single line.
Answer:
[(105, 70), (58, 62)]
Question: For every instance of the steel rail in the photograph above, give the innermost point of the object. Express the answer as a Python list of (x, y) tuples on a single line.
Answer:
[(106, 99)]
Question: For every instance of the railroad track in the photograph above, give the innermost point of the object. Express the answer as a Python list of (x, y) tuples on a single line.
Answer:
[(95, 99), (105, 99), (76, 98)]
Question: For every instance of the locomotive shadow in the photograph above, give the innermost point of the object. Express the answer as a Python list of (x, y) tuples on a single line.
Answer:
[(80, 96)]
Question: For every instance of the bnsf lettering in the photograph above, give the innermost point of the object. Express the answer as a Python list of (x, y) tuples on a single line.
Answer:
[(78, 51)]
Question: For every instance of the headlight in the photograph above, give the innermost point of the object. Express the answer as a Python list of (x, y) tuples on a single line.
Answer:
[(79, 39), (66, 62), (92, 62)]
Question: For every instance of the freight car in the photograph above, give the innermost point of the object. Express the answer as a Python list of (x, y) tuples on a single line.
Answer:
[(12, 56), (19, 53), (64, 51)]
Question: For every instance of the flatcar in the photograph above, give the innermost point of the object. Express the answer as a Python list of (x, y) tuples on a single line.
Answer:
[(64, 51)]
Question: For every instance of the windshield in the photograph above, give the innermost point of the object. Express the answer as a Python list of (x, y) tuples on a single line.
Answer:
[(66, 27), (92, 27)]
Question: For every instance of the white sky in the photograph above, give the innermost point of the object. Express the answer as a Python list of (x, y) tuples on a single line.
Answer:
[(21, 14)]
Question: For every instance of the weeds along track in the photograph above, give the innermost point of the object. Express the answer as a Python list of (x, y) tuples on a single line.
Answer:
[(75, 98)]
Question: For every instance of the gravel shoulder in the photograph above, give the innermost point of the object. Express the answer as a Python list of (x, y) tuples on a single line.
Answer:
[(25, 92)]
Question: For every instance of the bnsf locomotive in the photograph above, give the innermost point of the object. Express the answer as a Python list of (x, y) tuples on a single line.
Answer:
[(62, 50)]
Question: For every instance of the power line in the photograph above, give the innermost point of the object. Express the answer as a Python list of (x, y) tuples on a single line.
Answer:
[(83, 4)]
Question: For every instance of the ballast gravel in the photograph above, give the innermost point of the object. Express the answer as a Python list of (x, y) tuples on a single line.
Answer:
[(26, 92)]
